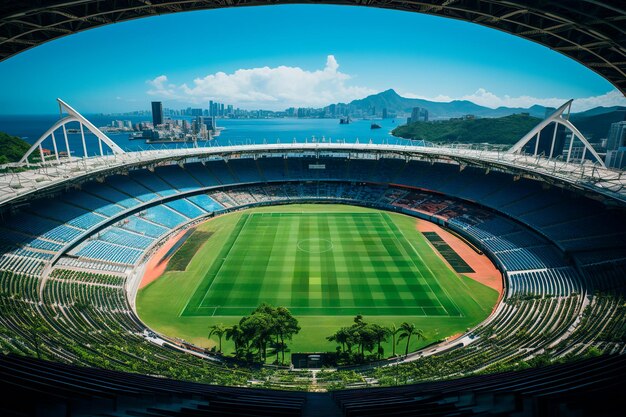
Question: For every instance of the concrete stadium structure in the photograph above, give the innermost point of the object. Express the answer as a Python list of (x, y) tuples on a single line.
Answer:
[(83, 208), (75, 234)]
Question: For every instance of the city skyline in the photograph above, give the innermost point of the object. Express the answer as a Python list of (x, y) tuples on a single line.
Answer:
[(299, 63)]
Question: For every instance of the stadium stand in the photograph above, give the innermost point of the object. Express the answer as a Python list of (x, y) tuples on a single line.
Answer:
[(65, 272), (589, 387)]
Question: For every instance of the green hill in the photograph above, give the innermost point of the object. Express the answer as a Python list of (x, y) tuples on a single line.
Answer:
[(595, 123), (393, 102), (503, 130), (12, 148)]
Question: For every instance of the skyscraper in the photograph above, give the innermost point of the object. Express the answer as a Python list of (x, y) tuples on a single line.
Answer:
[(418, 114), (616, 146), (157, 113), (617, 136)]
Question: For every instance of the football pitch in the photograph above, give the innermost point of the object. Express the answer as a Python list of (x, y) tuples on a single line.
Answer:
[(320, 263), (326, 263)]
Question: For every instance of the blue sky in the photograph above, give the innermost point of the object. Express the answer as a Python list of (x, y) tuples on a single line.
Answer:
[(300, 55)]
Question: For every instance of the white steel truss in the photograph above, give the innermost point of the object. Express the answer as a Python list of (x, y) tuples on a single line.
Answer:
[(72, 116), (558, 119)]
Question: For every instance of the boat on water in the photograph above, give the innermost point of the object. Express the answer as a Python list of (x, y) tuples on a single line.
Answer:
[(375, 126), (345, 120)]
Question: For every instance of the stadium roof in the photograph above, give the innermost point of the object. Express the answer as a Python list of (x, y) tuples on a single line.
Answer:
[(588, 31), (586, 177)]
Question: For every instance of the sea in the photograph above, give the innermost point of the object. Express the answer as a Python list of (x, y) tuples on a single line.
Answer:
[(236, 132)]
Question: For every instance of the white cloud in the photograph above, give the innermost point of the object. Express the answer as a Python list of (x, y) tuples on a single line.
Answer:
[(283, 86), (265, 87), (160, 89), (612, 98), (488, 99)]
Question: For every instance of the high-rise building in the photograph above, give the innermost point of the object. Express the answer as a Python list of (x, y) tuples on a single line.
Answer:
[(617, 136), (616, 146), (157, 113), (185, 126), (209, 122), (385, 112), (418, 114), (216, 109)]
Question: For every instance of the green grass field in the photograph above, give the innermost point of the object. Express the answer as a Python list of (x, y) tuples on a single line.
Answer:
[(326, 263)]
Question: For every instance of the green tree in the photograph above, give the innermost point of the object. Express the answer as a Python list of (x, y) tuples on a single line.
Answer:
[(286, 327), (498, 130), (265, 326), (235, 334), (270, 314), (218, 330), (342, 336), (393, 332), (408, 330), (257, 330), (12, 148), (361, 334), (380, 334)]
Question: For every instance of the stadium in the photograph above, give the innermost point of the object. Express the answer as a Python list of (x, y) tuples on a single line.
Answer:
[(113, 268)]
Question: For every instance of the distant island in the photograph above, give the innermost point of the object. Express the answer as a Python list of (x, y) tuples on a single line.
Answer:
[(593, 123), (499, 131)]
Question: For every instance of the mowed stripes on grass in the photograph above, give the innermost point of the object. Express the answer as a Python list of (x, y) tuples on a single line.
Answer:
[(317, 263)]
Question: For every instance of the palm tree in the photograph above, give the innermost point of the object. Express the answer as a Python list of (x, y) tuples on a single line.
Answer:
[(408, 330), (393, 331), (218, 330), (380, 334)]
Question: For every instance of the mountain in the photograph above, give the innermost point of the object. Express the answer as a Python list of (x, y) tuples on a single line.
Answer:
[(597, 111), (595, 123), (395, 103), (502, 130)]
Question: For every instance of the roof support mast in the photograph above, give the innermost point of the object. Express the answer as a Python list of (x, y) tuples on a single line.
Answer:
[(73, 116), (558, 119)]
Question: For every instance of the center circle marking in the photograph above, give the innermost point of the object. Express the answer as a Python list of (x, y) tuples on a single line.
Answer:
[(315, 245)]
